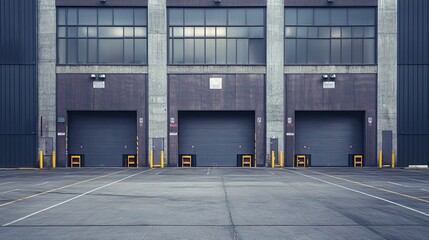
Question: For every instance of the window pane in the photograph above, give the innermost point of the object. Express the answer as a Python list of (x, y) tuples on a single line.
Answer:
[(123, 16), (210, 51), (128, 51), (92, 32), (302, 32), (216, 17), (82, 54), (242, 51), (221, 51), (318, 51), (236, 17), (290, 16), (369, 32), (170, 51), (178, 51), (178, 32), (361, 16), (313, 32), (321, 16), (290, 51), (324, 32), (199, 32), (128, 32), (238, 32), (231, 51), (255, 16), (140, 51), (301, 51), (87, 16), (189, 32), (72, 16), (194, 17), (140, 32), (189, 50), (221, 32), (92, 50), (61, 32), (61, 16), (336, 32), (110, 50), (199, 51), (256, 51), (72, 51), (336, 51), (346, 51), (369, 51), (338, 16), (346, 32), (176, 16), (82, 32), (357, 32), (290, 31), (256, 32), (72, 32), (113, 32), (105, 17), (140, 16), (61, 51), (210, 32), (357, 48), (305, 16)]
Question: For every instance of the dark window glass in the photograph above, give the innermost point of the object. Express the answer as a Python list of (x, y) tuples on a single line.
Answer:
[(290, 51), (346, 32), (170, 50), (346, 51), (87, 16), (102, 35), (216, 17), (194, 17), (361, 16), (302, 32), (313, 32), (369, 32), (189, 50), (357, 51), (231, 51), (239, 32), (175, 16), (123, 16), (321, 17), (305, 16), (324, 32), (256, 51), (210, 51), (242, 51), (291, 16), (236, 17), (178, 50), (369, 51), (220, 51), (338, 16), (336, 51), (318, 51), (199, 51), (255, 16), (357, 32), (301, 49)]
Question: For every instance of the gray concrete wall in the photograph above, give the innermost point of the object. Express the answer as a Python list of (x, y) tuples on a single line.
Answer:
[(101, 69), (274, 79), (217, 69), (329, 69), (387, 70), (157, 70), (46, 71)]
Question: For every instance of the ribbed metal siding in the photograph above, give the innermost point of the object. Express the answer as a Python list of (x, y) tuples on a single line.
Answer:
[(413, 87), (18, 83)]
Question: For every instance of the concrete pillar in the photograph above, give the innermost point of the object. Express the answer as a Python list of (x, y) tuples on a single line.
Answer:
[(275, 76), (46, 74), (157, 71), (387, 71)]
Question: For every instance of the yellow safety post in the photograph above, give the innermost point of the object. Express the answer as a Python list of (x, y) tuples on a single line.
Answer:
[(272, 159), (281, 158), (254, 161), (54, 160), (137, 152), (162, 159), (380, 160), (393, 159), (151, 159), (40, 159)]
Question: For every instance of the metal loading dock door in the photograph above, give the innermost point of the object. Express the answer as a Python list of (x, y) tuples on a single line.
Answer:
[(216, 138), (329, 137), (103, 137)]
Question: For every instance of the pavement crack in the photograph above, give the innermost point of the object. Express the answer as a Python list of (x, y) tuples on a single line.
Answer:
[(234, 234)]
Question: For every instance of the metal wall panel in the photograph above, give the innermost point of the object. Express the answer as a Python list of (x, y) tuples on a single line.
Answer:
[(413, 87)]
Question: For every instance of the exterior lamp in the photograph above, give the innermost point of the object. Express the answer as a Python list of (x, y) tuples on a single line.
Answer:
[(93, 76), (325, 76), (102, 76)]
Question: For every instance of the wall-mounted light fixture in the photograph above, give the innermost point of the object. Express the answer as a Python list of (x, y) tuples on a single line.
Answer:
[(102, 76), (217, 1), (93, 76), (330, 1), (332, 76), (325, 76)]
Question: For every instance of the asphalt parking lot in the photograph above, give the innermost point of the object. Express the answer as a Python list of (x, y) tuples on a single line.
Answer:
[(214, 203)]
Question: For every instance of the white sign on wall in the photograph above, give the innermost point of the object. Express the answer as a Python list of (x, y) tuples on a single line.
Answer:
[(215, 83), (98, 84), (328, 84)]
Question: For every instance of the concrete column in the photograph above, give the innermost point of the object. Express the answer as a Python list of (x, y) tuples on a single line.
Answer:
[(275, 76), (157, 71), (46, 73), (387, 71)]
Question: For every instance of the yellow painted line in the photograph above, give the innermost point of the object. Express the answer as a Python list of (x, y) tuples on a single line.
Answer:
[(56, 189), (371, 186)]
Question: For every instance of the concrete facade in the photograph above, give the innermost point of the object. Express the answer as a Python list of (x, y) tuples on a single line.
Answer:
[(387, 70), (274, 80), (46, 74)]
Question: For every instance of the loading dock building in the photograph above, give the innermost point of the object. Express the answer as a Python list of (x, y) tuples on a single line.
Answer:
[(213, 80)]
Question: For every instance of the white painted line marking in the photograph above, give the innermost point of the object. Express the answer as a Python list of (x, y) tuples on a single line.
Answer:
[(397, 184), (159, 172), (363, 193), (424, 190), (208, 171), (40, 184), (272, 173), (4, 183), (13, 190), (73, 198)]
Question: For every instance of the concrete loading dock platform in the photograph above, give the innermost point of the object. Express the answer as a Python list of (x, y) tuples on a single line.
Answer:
[(214, 203)]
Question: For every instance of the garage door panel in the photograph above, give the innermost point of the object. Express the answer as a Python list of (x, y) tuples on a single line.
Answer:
[(329, 137), (216, 136), (104, 136)]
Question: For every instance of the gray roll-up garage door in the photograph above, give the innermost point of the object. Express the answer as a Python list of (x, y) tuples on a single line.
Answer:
[(216, 138), (329, 136), (103, 137)]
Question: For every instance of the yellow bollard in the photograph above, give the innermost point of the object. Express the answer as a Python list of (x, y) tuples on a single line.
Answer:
[(40, 159), (380, 160), (162, 159), (393, 159), (54, 160), (151, 159), (281, 158), (272, 159)]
